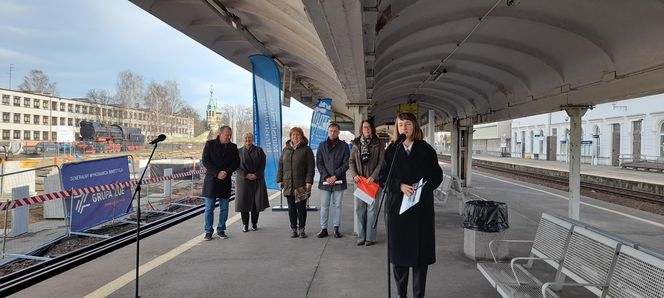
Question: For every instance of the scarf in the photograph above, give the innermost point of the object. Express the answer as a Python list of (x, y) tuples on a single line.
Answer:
[(364, 149)]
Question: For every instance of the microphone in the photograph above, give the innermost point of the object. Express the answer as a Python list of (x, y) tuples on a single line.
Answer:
[(160, 138), (401, 138)]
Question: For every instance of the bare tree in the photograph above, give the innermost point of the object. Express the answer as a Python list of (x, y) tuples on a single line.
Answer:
[(103, 98), (37, 81), (130, 89), (200, 124), (239, 117)]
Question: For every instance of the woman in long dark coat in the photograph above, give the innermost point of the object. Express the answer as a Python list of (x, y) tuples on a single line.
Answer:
[(412, 240), (250, 188)]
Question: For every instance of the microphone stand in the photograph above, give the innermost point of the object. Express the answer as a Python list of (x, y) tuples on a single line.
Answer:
[(138, 214), (387, 216)]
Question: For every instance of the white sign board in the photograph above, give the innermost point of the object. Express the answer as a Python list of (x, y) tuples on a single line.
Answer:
[(65, 135)]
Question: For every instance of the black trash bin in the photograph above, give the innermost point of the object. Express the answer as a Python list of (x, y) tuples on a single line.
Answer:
[(485, 216)]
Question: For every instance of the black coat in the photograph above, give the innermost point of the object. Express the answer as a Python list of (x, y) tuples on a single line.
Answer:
[(332, 161), (412, 234), (219, 157), (248, 192)]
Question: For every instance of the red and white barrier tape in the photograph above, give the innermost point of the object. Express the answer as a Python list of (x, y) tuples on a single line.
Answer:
[(66, 193)]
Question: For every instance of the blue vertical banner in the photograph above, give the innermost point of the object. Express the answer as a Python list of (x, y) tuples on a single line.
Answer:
[(95, 208), (267, 113), (320, 119)]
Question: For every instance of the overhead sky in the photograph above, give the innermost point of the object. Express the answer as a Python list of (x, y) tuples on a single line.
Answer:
[(83, 45)]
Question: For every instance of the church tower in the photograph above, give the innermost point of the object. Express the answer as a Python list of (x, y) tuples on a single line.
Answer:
[(213, 116)]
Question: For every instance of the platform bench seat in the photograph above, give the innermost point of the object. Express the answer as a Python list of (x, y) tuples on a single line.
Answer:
[(588, 261), (549, 245)]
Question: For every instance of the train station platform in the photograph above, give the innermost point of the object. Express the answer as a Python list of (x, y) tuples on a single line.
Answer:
[(268, 263)]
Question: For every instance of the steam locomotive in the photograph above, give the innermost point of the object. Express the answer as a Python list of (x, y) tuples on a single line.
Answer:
[(97, 138)]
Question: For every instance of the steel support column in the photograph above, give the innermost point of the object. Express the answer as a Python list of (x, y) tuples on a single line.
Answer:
[(431, 128), (462, 143), (575, 113)]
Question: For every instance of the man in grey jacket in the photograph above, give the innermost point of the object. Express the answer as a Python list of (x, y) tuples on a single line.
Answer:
[(332, 163)]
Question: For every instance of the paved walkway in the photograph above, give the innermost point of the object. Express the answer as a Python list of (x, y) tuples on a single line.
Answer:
[(267, 263)]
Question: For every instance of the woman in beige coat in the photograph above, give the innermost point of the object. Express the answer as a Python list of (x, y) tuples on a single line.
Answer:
[(365, 160)]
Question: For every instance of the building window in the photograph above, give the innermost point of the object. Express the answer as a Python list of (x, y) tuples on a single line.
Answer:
[(17, 118), (26, 118), (54, 136), (85, 109), (35, 135), (17, 134), (45, 105), (26, 134), (5, 117), (70, 107), (77, 122), (17, 102), (5, 99), (54, 105), (45, 120), (45, 135), (70, 121), (36, 119), (62, 121), (36, 103), (26, 102), (54, 120), (554, 132), (77, 109), (5, 134)]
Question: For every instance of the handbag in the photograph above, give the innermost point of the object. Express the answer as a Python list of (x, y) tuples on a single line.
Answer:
[(301, 194)]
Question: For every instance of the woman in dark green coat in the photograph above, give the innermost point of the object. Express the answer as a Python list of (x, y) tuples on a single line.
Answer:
[(295, 176)]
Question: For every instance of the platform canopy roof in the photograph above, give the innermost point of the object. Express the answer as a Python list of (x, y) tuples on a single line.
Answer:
[(477, 61)]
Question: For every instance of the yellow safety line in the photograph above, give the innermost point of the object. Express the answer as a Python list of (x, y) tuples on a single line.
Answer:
[(128, 277)]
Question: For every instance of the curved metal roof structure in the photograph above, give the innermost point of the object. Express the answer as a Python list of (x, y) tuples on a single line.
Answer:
[(476, 61)]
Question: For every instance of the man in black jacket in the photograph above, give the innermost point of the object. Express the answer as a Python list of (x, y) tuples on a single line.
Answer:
[(221, 159)]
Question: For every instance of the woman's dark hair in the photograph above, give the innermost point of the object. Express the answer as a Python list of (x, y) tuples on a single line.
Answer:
[(371, 125)]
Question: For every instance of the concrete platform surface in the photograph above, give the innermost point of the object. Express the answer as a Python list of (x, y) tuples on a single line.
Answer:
[(267, 263)]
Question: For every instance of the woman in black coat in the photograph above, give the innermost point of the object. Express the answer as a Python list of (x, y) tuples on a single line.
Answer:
[(412, 240), (250, 189)]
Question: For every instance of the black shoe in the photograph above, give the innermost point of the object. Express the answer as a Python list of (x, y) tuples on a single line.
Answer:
[(294, 234), (208, 237), (322, 234), (360, 243), (302, 234), (336, 233), (245, 229), (369, 243), (254, 227), (222, 235)]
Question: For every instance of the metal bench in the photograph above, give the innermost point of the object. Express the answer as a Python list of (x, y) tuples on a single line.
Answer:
[(451, 185), (549, 245), (637, 273), (588, 262)]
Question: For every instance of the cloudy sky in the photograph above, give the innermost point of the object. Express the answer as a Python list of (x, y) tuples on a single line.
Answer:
[(83, 45)]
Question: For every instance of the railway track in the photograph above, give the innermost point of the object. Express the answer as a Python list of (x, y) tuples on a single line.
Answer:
[(627, 193)]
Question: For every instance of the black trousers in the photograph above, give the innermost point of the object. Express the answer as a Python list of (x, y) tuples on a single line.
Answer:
[(254, 216), (297, 213), (419, 280)]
